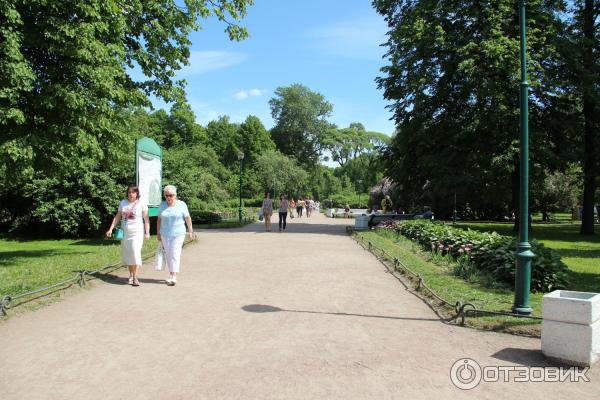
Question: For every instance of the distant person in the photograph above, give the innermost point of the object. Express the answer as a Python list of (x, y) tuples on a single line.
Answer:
[(299, 207), (173, 217), (283, 210), (309, 207), (386, 204), (136, 227), (427, 213), (347, 211), (267, 208), (292, 207)]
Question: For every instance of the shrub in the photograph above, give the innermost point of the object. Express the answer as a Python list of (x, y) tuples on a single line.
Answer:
[(204, 217), (489, 256)]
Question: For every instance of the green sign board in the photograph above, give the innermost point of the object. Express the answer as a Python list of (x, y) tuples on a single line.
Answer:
[(148, 166)]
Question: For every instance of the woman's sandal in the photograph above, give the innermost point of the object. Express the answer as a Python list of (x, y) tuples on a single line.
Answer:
[(136, 282), (130, 281)]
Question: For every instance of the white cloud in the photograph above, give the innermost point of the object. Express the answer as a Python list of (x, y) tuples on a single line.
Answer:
[(244, 94), (202, 62), (241, 95), (356, 38)]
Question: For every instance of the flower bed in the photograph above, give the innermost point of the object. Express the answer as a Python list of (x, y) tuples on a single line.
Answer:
[(489, 257)]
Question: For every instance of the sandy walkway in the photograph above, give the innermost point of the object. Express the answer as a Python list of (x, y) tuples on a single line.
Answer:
[(304, 314)]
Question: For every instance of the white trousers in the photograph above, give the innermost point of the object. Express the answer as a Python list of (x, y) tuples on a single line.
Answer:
[(173, 246)]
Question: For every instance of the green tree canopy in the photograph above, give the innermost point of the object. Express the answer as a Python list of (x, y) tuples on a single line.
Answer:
[(280, 173), (67, 72), (300, 122)]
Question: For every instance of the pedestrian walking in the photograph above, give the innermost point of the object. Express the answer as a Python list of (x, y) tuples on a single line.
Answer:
[(299, 207), (172, 220), (267, 208), (292, 208), (283, 210), (136, 227)]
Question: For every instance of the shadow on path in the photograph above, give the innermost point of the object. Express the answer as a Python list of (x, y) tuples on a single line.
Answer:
[(338, 229), (526, 357), (263, 308)]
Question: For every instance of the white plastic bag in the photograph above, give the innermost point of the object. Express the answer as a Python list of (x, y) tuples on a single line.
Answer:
[(160, 257)]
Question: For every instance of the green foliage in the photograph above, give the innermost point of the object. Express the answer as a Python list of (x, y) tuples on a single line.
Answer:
[(300, 123), (196, 172), (487, 255), (280, 174), (253, 139), (204, 217), (453, 81), (65, 83)]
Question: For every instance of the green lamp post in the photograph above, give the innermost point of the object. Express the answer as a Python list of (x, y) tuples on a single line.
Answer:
[(523, 253), (241, 158)]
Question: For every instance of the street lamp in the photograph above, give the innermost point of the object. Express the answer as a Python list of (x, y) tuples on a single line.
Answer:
[(241, 158), (359, 189), (523, 253)]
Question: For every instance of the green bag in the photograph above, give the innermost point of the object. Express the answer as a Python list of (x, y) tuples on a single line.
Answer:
[(118, 234)]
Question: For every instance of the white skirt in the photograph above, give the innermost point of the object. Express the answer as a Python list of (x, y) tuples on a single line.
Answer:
[(131, 247)]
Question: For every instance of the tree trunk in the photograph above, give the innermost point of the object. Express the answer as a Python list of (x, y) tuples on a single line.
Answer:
[(589, 105)]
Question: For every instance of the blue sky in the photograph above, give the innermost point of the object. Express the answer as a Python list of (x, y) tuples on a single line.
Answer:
[(330, 46)]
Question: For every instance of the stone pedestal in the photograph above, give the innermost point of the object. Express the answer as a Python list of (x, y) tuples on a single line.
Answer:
[(361, 222), (571, 327)]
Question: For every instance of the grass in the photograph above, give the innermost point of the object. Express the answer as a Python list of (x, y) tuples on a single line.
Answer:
[(26, 265), (29, 264), (581, 253), (439, 277)]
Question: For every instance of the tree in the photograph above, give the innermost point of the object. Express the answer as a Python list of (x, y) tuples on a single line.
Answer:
[(66, 75), (223, 138), (587, 72), (300, 122), (253, 139), (453, 80), (280, 173)]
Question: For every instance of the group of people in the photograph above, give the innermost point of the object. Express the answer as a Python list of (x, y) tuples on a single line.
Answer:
[(303, 206), (173, 218)]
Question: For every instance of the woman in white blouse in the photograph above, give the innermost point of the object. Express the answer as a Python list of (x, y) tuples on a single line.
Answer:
[(136, 227)]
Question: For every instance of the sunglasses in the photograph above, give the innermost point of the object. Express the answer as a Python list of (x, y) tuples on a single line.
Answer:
[(169, 195)]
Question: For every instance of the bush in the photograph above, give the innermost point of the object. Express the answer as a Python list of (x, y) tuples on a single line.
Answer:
[(489, 256), (205, 217)]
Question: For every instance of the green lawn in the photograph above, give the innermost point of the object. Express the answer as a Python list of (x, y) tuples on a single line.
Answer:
[(581, 253), (31, 264), (439, 277)]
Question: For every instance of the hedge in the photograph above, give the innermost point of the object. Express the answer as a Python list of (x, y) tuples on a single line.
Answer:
[(488, 255)]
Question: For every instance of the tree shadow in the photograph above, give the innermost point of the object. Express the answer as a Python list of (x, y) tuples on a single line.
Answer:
[(95, 242), (264, 308), (584, 282), (576, 253), (7, 258), (337, 229)]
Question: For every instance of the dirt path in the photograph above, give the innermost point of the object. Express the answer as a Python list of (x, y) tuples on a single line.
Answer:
[(304, 314)]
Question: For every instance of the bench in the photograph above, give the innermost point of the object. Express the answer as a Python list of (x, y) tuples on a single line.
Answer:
[(376, 219), (340, 212)]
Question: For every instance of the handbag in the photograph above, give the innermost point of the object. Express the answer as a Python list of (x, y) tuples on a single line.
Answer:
[(261, 214), (160, 257), (118, 234)]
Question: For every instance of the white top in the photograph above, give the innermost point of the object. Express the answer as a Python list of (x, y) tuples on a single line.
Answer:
[(132, 215)]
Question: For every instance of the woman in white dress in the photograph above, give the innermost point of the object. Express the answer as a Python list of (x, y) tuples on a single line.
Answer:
[(136, 227)]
